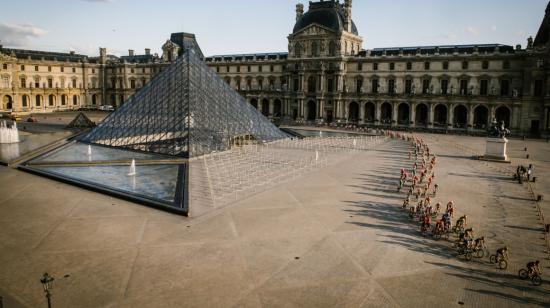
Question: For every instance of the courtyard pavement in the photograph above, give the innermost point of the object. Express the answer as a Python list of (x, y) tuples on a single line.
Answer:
[(336, 237)]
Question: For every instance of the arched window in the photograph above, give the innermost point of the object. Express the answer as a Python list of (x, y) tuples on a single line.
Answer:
[(63, 100), (51, 100), (75, 100), (24, 101), (94, 99), (38, 100)]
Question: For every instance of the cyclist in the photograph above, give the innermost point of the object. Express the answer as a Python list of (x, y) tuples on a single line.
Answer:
[(533, 268), (502, 253)]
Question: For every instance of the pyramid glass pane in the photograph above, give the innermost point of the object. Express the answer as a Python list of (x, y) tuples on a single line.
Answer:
[(186, 111)]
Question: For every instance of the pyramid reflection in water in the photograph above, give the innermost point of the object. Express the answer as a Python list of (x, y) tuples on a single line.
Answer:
[(184, 112)]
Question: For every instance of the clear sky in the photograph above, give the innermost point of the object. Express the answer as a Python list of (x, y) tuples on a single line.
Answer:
[(239, 26)]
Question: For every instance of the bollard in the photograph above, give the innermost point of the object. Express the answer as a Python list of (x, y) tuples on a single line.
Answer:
[(525, 149), (539, 198), (527, 156)]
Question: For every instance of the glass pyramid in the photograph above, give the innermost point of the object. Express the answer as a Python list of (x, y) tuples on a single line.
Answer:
[(186, 111), (143, 151)]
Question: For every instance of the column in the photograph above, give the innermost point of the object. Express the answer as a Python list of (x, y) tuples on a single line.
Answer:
[(412, 114), (450, 113), (301, 108), (431, 115), (361, 112), (515, 117), (378, 112), (271, 107), (546, 118), (470, 117), (395, 109), (492, 114), (321, 114)]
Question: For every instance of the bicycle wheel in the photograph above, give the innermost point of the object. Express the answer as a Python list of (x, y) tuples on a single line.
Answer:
[(493, 259), (523, 274), (503, 264), (536, 280), (469, 256), (480, 253)]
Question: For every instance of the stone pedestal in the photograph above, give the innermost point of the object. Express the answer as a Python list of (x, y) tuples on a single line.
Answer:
[(496, 149)]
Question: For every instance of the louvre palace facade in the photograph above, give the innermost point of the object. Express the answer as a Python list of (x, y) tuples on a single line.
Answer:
[(325, 77)]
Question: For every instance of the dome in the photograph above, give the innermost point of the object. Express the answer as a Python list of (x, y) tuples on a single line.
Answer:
[(329, 14)]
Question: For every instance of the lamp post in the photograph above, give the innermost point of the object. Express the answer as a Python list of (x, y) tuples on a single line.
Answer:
[(47, 283)]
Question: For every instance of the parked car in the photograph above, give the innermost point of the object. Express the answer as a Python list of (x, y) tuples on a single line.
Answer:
[(106, 108)]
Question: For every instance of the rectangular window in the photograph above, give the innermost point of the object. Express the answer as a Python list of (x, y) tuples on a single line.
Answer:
[(5, 82), (271, 68), (445, 65), (375, 86), (392, 66), (408, 86), (330, 85), (359, 66), (506, 65), (465, 65), (375, 66), (538, 88), (425, 86), (132, 84), (131, 70), (391, 86), (22, 67), (485, 65), (484, 87), (426, 65), (409, 66), (217, 69), (36, 68), (74, 70), (23, 83), (228, 69), (62, 69), (74, 83), (444, 86), (296, 85), (50, 83), (238, 69), (359, 85), (260, 68), (49, 68), (463, 87), (505, 87)]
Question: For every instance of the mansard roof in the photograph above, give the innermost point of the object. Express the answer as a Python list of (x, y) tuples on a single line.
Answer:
[(329, 14), (43, 55), (543, 36)]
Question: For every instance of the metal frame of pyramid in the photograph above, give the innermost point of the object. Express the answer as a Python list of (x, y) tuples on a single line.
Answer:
[(81, 121), (185, 112)]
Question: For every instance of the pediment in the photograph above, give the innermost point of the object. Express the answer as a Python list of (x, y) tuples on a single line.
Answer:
[(314, 29)]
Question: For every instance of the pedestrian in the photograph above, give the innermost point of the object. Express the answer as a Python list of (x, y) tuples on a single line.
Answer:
[(529, 171)]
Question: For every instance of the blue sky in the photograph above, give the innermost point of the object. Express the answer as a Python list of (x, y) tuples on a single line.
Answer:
[(238, 26)]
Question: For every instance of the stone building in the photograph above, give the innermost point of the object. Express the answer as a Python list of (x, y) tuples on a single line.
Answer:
[(325, 77), (37, 81), (328, 77)]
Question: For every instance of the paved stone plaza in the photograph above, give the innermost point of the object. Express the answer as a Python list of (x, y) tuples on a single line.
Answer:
[(336, 237)]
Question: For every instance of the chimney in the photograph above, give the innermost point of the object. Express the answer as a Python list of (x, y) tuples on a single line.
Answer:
[(347, 15), (299, 11), (130, 52), (147, 51)]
